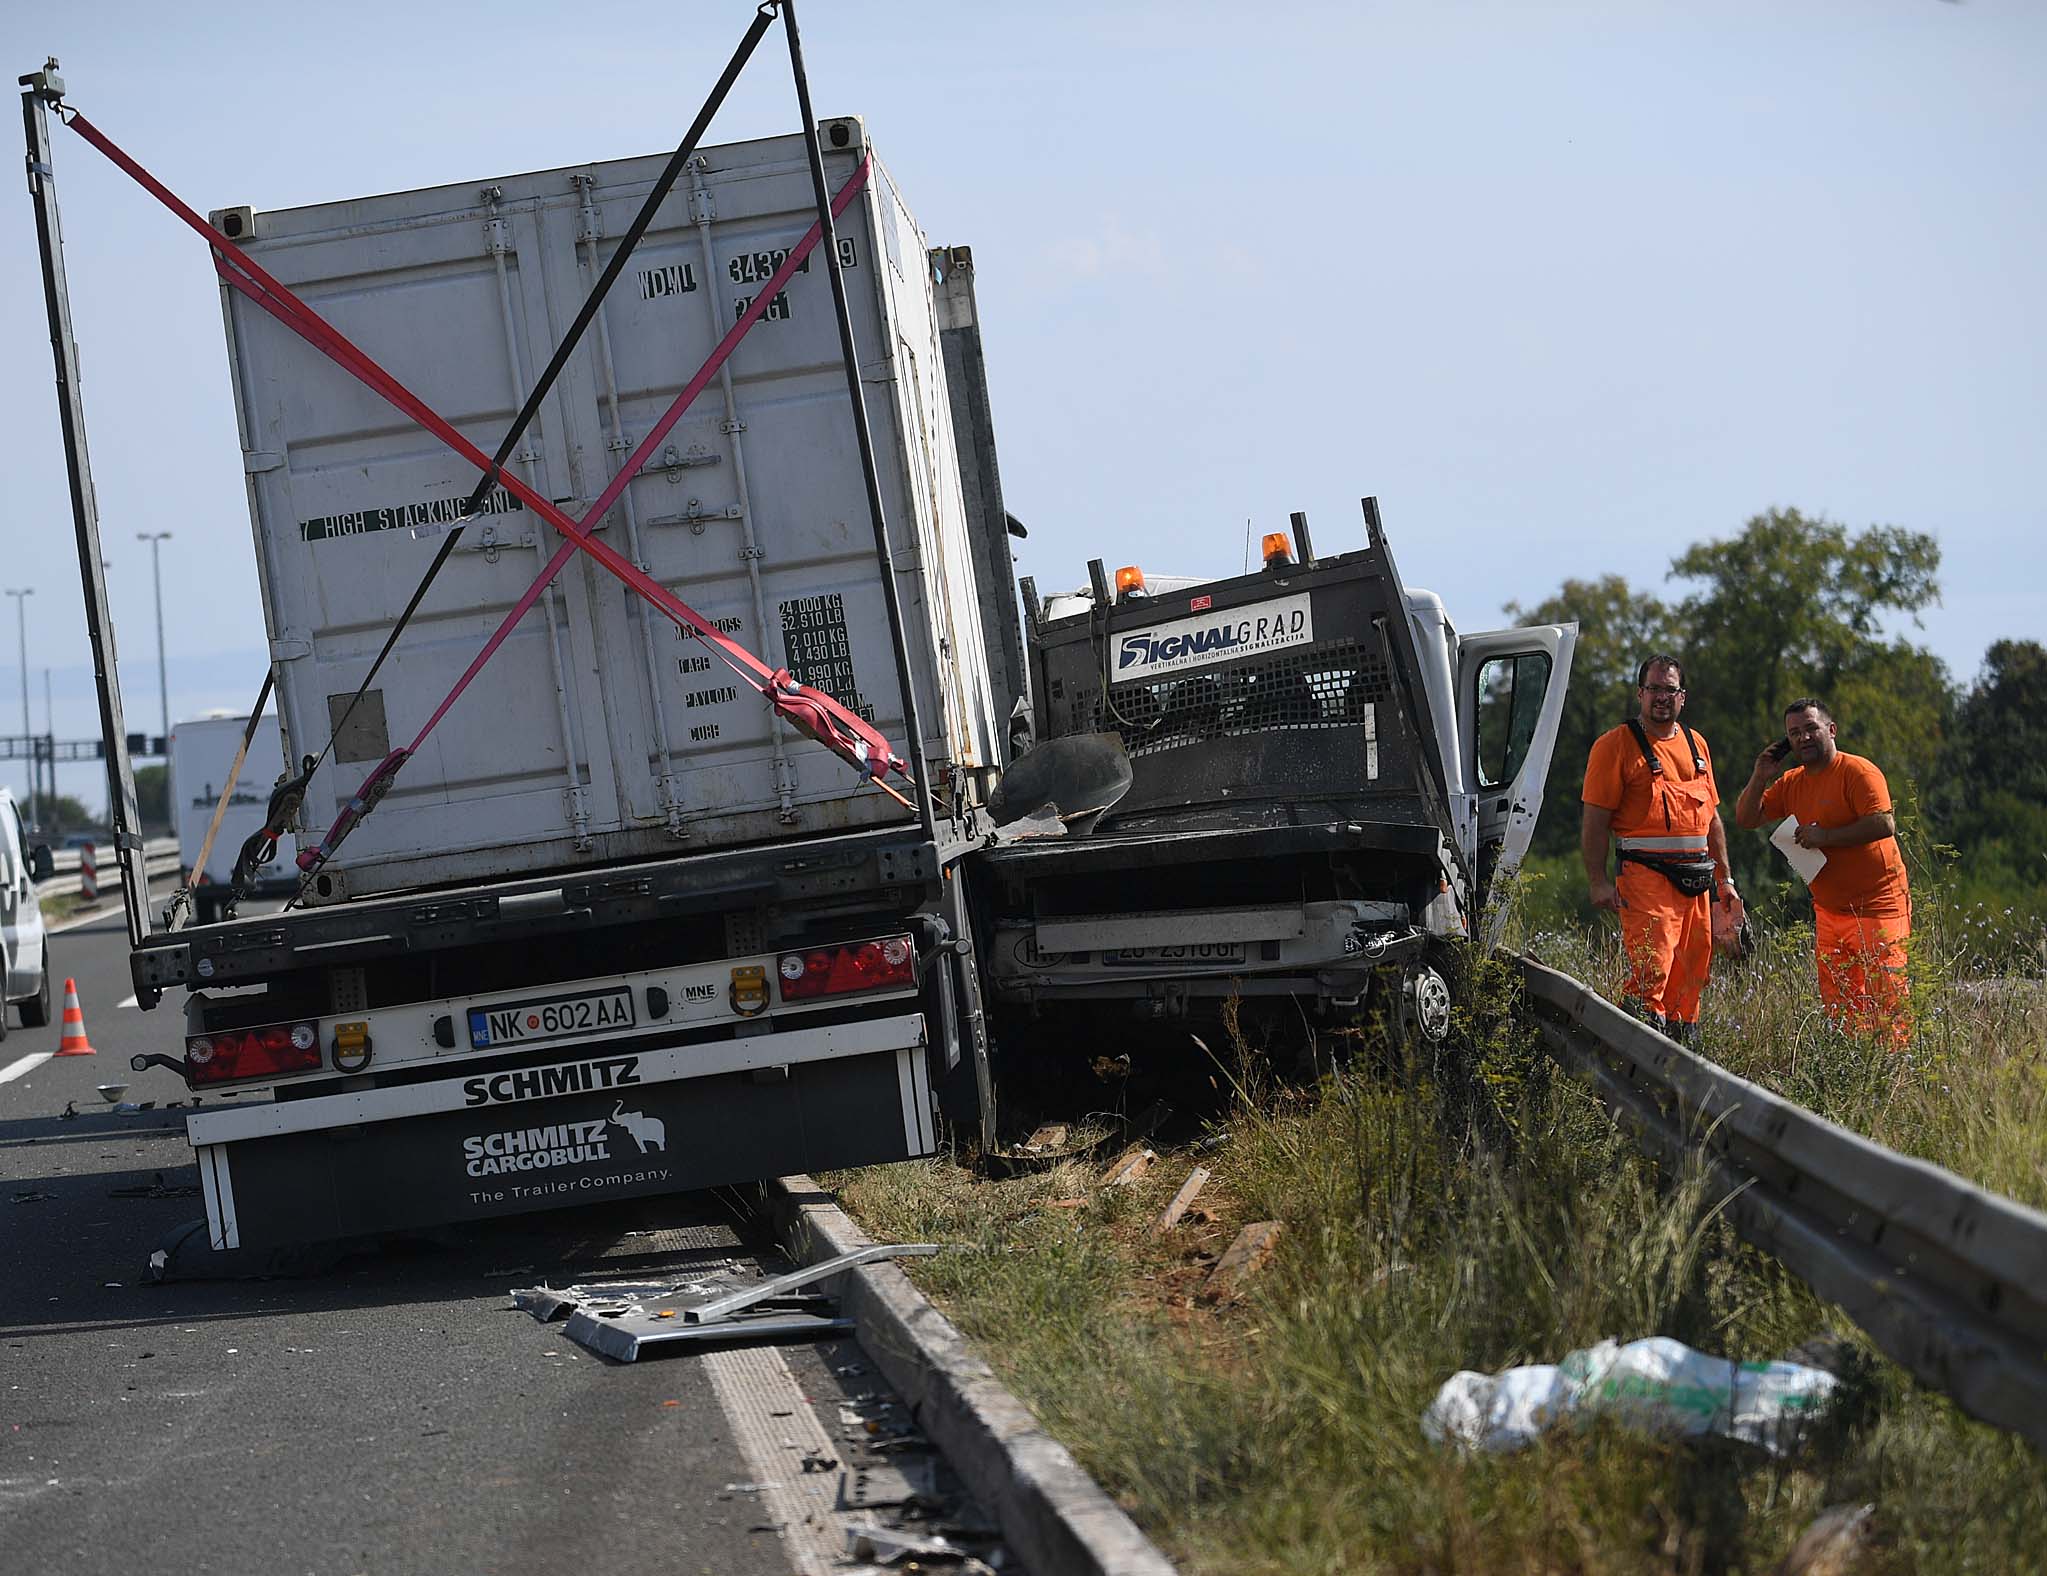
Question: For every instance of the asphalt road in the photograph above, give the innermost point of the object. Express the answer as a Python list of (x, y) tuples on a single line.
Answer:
[(392, 1414)]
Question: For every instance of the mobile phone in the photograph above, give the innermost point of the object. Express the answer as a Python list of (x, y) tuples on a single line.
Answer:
[(1780, 749)]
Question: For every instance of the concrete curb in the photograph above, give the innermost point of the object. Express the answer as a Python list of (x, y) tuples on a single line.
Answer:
[(1052, 1514)]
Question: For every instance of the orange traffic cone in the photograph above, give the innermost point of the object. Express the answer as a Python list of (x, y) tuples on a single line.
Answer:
[(74, 1042)]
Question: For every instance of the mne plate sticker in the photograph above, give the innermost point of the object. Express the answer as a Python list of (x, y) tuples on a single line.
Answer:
[(1213, 637), (550, 1018)]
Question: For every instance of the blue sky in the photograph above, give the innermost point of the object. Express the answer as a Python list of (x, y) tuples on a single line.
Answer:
[(1568, 286)]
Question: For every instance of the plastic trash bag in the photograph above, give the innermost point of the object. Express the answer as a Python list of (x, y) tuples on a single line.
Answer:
[(1658, 1385)]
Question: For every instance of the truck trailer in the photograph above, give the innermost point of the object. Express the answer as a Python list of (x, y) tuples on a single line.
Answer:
[(611, 924)]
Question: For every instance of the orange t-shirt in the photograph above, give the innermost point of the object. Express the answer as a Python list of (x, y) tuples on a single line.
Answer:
[(1618, 779), (1867, 879)]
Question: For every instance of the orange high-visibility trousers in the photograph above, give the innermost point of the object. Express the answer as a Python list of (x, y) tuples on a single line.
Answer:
[(1862, 973), (1668, 938)]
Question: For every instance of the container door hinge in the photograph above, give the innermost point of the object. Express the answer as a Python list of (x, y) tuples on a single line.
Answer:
[(288, 647), (579, 816), (671, 803), (589, 225), (732, 424), (256, 461)]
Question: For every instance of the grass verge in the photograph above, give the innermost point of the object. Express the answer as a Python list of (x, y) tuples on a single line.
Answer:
[(1474, 1211)]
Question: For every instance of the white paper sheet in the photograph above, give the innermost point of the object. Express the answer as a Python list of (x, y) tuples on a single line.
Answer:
[(1808, 862)]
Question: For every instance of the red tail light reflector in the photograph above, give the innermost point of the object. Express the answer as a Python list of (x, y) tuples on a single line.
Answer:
[(237, 1055), (841, 970)]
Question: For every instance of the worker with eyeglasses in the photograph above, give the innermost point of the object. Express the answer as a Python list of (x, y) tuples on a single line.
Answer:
[(1650, 793)]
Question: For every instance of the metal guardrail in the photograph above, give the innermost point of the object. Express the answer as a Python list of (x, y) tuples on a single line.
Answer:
[(1948, 1279), (160, 856)]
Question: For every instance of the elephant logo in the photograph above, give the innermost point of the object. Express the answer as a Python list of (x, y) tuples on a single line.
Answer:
[(649, 1132)]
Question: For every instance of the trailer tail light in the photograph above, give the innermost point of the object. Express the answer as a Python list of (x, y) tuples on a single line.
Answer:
[(237, 1055), (841, 970)]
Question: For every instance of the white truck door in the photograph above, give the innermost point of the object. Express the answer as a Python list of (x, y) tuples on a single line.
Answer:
[(1510, 700)]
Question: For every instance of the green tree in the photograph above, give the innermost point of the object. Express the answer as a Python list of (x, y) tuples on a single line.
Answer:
[(1617, 627), (64, 814), (152, 796), (1795, 605), (1989, 795)]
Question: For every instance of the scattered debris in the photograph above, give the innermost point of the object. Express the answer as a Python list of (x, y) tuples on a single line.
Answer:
[(887, 1545), (1151, 1119), (157, 1189), (615, 1321), (1049, 1137), (32, 1198), (910, 1483), (1836, 1544), (1658, 1385), (1190, 1190), (744, 1488), (818, 1461), (1242, 1259), (1130, 1165)]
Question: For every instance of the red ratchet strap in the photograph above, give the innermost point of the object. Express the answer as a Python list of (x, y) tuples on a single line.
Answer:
[(810, 710)]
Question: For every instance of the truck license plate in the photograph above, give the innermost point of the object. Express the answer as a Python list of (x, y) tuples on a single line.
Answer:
[(550, 1018), (1210, 952)]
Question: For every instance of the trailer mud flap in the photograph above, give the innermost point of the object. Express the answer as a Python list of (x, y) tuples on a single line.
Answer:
[(656, 1125)]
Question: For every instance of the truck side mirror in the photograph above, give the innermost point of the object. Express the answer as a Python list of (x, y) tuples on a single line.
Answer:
[(41, 863)]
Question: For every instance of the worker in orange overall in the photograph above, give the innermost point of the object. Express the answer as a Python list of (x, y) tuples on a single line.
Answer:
[(1861, 904), (1649, 787)]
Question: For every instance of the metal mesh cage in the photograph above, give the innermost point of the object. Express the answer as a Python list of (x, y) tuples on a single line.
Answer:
[(1322, 686)]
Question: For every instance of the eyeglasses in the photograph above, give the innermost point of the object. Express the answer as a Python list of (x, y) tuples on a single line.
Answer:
[(1664, 689)]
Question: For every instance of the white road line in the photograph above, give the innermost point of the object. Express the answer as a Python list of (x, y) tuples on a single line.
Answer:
[(126, 1001), (27, 1064), (775, 1429)]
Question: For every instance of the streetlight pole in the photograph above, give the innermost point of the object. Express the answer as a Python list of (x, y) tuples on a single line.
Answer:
[(156, 539), (21, 597)]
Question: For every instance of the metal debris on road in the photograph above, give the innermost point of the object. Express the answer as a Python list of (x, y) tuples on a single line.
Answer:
[(615, 1321)]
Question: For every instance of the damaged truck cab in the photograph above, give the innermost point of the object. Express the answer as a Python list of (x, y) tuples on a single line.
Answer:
[(1326, 786)]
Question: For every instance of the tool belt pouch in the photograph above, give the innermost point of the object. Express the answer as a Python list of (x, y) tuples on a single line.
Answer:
[(1693, 878)]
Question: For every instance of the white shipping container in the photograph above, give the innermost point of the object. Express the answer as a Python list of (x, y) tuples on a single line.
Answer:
[(202, 754), (597, 733)]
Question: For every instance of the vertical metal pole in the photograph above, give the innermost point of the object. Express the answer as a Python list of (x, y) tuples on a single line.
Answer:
[(28, 731), (828, 248), (50, 741), (1304, 548), (40, 90), (156, 539)]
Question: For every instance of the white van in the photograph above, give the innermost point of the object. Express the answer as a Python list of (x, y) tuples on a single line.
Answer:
[(24, 950)]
